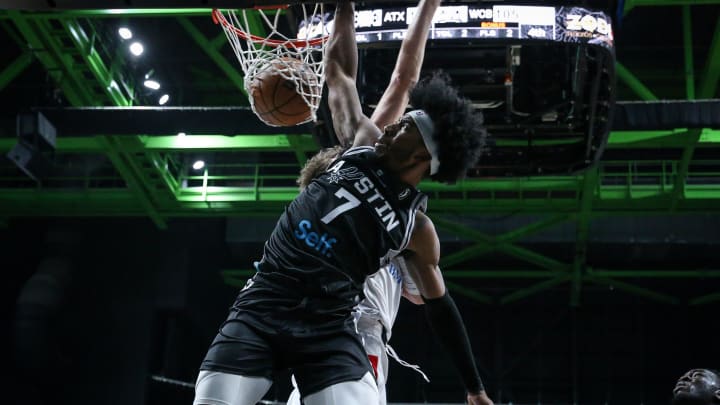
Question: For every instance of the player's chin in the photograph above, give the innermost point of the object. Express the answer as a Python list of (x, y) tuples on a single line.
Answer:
[(683, 397)]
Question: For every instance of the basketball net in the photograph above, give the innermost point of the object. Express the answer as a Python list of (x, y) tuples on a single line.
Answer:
[(258, 54)]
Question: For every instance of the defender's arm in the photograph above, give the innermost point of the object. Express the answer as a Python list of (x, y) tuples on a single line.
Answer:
[(394, 101)]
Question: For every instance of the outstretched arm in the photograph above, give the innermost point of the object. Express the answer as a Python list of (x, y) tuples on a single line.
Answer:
[(393, 102), (440, 307), (341, 62)]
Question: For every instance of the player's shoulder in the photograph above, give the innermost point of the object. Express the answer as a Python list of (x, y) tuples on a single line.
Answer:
[(423, 229), (359, 151)]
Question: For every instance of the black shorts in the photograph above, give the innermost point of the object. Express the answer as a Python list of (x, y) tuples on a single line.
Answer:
[(316, 361)]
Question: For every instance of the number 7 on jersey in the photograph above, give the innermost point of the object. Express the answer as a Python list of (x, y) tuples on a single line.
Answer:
[(351, 203)]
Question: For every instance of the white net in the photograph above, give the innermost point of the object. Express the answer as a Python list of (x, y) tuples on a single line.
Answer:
[(261, 49)]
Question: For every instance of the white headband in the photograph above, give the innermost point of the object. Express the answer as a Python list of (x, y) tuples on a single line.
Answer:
[(426, 128)]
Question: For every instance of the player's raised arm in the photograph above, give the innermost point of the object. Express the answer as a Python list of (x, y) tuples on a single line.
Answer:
[(341, 62), (406, 73)]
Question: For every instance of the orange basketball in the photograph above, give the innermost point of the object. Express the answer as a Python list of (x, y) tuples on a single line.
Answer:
[(276, 99)]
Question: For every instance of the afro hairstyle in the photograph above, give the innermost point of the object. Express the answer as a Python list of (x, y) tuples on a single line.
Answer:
[(459, 131)]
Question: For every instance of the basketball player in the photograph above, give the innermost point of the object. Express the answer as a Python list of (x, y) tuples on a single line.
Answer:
[(441, 138), (295, 313), (697, 387), (376, 314)]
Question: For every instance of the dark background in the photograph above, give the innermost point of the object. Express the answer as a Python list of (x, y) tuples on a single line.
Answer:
[(97, 307)]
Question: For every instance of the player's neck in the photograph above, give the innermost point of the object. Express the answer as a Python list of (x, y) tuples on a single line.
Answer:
[(412, 175)]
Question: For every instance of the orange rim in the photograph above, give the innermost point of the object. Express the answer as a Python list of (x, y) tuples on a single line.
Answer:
[(219, 18)]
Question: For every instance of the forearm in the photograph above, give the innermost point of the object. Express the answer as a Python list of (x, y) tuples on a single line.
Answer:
[(341, 60), (450, 329), (412, 50), (406, 73), (341, 55)]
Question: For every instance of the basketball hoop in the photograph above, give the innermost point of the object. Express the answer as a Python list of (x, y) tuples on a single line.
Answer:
[(260, 55)]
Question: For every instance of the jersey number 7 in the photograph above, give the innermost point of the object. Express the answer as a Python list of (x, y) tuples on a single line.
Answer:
[(351, 203)]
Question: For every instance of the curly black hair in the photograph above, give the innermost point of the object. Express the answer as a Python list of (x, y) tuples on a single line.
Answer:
[(459, 131)]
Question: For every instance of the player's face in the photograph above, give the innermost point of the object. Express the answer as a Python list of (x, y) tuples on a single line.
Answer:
[(400, 143), (696, 386)]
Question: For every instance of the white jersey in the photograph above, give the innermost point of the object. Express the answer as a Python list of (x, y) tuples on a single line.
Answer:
[(376, 315), (383, 291)]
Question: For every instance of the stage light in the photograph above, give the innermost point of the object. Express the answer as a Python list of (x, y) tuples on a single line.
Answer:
[(125, 33), (163, 99), (137, 48), (199, 164), (152, 84)]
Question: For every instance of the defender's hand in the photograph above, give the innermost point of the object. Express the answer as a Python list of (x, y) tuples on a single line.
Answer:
[(479, 399)]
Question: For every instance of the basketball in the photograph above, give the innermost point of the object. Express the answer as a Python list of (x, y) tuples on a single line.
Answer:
[(276, 99)]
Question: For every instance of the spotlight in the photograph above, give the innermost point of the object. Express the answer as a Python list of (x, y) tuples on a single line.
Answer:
[(181, 134), (152, 84), (199, 164), (163, 99), (124, 33), (137, 48)]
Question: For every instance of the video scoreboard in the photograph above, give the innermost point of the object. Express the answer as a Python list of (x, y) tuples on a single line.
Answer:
[(492, 22)]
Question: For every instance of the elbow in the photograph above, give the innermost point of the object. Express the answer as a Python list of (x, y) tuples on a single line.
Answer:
[(334, 73)]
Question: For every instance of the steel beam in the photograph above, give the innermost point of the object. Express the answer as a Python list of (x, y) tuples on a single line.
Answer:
[(590, 185), (162, 121), (688, 53), (235, 77), (679, 138), (111, 87), (705, 299), (709, 85), (16, 67), (468, 292), (91, 121), (496, 274), (267, 143), (44, 47), (509, 249), (676, 138), (236, 194), (634, 83), (683, 167), (133, 180), (468, 253), (512, 184), (631, 288), (534, 289), (114, 13), (618, 273), (160, 165), (174, 143), (494, 243)]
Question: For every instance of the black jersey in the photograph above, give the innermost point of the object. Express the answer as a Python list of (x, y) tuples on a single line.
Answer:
[(345, 225)]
